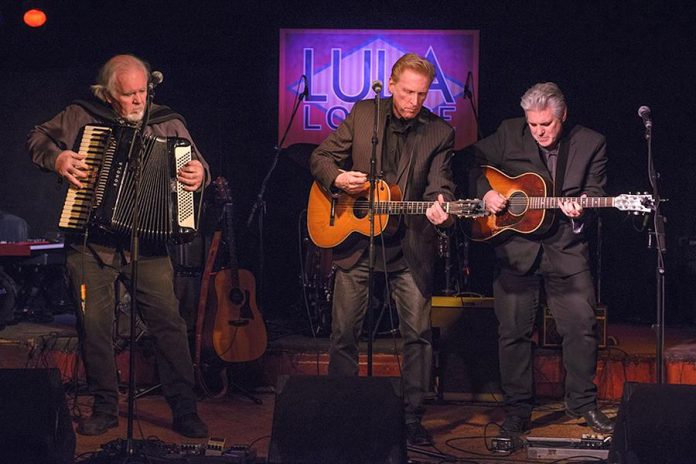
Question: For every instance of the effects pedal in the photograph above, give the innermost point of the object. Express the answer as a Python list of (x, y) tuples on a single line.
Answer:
[(505, 444)]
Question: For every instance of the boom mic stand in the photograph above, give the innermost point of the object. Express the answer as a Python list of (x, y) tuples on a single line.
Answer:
[(471, 96), (660, 249), (461, 248), (260, 203)]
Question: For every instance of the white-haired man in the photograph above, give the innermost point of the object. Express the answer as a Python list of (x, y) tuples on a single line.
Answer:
[(94, 263), (573, 162)]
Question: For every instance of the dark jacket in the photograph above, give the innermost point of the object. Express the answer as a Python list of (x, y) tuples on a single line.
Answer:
[(513, 150), (428, 148)]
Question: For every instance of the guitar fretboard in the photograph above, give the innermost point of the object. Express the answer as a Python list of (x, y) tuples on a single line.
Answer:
[(585, 202), (405, 207)]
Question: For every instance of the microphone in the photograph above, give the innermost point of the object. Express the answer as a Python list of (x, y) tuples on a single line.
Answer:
[(468, 85), (156, 78), (644, 113), (305, 91), (377, 87)]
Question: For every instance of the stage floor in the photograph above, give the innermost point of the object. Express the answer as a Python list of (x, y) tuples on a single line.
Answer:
[(463, 417)]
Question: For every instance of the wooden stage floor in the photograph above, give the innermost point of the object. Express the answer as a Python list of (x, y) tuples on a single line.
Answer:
[(463, 417)]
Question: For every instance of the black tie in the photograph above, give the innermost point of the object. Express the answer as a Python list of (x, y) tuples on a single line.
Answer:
[(551, 158)]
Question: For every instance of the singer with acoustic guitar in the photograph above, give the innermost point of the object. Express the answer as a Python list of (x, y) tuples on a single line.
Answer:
[(572, 161), (414, 152)]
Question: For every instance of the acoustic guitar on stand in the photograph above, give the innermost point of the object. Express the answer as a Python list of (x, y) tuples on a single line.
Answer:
[(229, 326), (240, 332), (332, 218), (528, 203)]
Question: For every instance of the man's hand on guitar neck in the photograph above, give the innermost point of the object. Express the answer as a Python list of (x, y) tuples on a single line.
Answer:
[(351, 182), (570, 208), (494, 202), (436, 215)]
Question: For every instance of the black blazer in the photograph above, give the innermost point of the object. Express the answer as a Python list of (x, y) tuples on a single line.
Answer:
[(513, 150), (428, 147)]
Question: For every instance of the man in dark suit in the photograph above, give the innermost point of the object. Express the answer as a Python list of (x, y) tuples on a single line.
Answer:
[(414, 151), (573, 161)]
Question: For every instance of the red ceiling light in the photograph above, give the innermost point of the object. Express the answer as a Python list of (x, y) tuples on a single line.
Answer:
[(34, 17)]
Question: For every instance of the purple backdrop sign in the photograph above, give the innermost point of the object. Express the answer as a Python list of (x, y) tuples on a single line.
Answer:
[(340, 65)]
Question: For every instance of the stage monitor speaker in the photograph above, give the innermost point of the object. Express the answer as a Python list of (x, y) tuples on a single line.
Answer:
[(35, 425), (338, 420), (655, 423)]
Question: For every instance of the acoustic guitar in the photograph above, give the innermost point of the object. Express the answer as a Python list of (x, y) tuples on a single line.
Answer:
[(239, 334), (528, 204), (229, 326), (332, 218)]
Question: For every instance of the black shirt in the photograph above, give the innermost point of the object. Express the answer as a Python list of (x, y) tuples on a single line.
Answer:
[(388, 247)]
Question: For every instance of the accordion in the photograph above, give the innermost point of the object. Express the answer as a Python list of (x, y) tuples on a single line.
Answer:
[(105, 203)]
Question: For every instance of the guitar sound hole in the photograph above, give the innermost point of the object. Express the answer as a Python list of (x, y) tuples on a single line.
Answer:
[(517, 203), (360, 207), (236, 296)]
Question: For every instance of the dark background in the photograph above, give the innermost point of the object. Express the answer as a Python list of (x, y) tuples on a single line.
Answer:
[(220, 62)]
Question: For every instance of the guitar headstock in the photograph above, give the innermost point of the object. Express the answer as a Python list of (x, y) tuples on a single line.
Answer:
[(222, 191), (635, 203), (467, 208)]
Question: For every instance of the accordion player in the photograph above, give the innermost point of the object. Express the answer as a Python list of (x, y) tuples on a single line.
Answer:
[(105, 204)]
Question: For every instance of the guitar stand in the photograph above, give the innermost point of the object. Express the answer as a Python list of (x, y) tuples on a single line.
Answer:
[(433, 454), (226, 383), (145, 391), (246, 393)]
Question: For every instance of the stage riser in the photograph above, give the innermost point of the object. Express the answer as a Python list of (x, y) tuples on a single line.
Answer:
[(61, 353), (548, 371), (612, 369)]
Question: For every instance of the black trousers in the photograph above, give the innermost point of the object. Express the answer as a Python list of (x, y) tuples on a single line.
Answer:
[(160, 312), (348, 314), (571, 300)]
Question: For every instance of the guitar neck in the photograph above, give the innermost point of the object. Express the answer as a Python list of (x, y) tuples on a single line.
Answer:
[(585, 202), (406, 207)]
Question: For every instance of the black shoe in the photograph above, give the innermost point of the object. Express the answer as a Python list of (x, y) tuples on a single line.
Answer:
[(190, 425), (417, 435), (97, 423), (514, 425), (595, 419)]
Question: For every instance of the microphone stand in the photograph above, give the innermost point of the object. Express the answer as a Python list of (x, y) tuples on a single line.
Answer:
[(462, 248), (260, 203), (371, 216), (660, 248), (136, 163), (469, 95)]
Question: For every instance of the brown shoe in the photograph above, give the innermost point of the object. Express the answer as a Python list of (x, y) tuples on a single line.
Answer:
[(97, 423)]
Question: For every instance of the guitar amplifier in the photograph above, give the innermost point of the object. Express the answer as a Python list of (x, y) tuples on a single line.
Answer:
[(551, 339), (465, 341)]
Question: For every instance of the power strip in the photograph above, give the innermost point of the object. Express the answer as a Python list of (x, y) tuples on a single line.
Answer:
[(565, 448)]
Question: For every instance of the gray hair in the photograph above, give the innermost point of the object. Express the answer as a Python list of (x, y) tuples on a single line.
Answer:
[(544, 95), (107, 73)]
